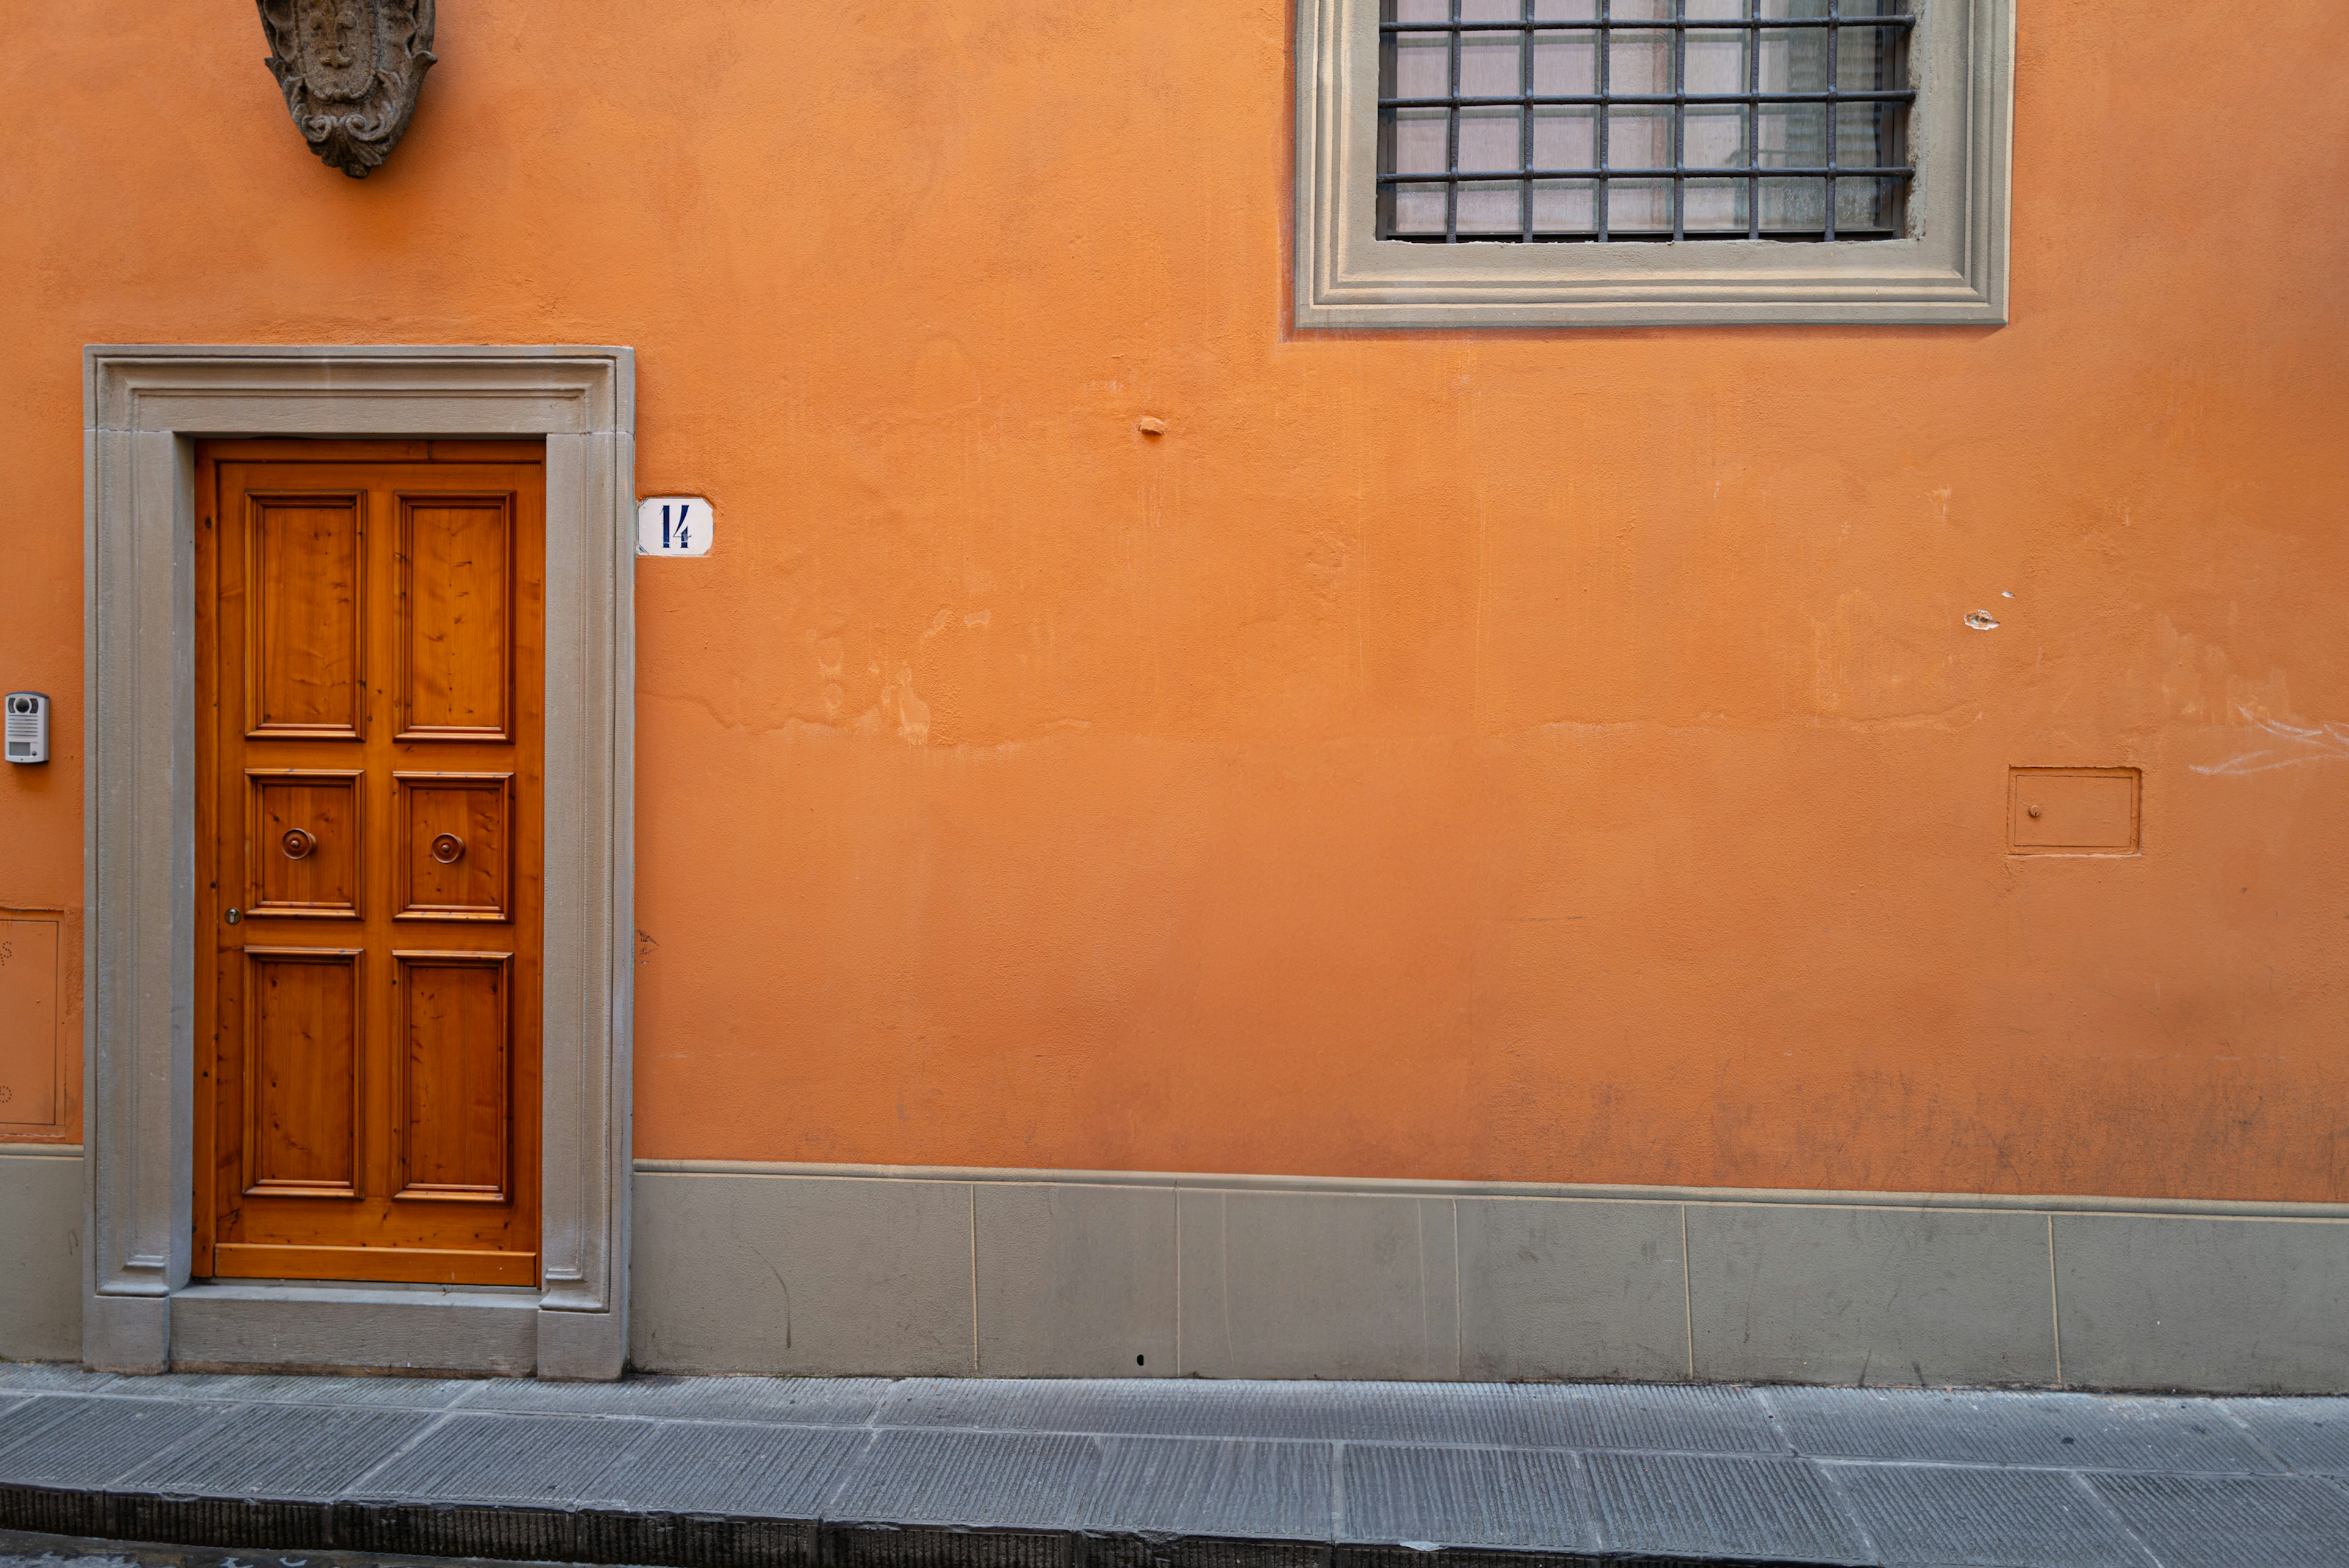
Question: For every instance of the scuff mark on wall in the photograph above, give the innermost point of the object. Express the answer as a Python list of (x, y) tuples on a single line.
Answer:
[(2324, 742)]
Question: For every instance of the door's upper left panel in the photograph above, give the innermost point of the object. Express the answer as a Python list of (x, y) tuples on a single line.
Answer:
[(305, 618)]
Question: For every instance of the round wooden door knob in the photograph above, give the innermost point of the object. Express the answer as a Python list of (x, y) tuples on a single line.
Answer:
[(448, 848), (298, 843)]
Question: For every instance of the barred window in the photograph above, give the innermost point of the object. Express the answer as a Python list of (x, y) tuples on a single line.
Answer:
[(1613, 121)]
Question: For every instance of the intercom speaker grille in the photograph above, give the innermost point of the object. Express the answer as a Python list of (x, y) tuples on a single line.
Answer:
[(26, 735)]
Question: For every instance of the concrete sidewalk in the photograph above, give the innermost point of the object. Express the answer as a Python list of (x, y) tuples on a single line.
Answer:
[(744, 1470)]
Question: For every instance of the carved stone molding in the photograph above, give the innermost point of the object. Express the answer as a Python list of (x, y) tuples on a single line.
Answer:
[(144, 406), (351, 71)]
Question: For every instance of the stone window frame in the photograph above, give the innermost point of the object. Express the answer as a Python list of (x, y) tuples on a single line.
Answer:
[(1950, 270), (145, 408)]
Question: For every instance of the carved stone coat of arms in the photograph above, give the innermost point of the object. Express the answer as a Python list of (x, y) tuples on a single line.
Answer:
[(350, 70)]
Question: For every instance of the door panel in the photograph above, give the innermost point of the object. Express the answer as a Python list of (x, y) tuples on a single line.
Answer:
[(455, 582), (371, 689), (302, 1071), (455, 850), (306, 843), (307, 627), (452, 1111)]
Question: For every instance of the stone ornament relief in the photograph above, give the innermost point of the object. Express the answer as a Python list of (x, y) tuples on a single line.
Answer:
[(351, 71)]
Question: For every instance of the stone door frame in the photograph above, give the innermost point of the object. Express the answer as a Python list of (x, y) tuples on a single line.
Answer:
[(144, 410)]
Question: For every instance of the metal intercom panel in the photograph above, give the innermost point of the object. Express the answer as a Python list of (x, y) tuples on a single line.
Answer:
[(27, 727)]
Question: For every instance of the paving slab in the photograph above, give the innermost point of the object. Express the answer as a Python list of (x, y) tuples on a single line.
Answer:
[(258, 1450), (1930, 1516), (2252, 1522), (463, 1457), (1463, 1497), (743, 1468), (2308, 1434), (1217, 1487), (1698, 1507), (83, 1440), (969, 1480)]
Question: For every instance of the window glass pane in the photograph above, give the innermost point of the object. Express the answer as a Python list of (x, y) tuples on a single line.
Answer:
[(1421, 141), (1638, 138), (1491, 209), (1488, 65), (1793, 203), (1415, 210), (1715, 204), (1422, 65), (1716, 62), (1639, 61), (1639, 206), (1566, 209), (1489, 139), (1566, 137), (1566, 63), (1713, 137)]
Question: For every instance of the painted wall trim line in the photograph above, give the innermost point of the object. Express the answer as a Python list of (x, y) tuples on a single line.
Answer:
[(40, 1152), (1595, 1193)]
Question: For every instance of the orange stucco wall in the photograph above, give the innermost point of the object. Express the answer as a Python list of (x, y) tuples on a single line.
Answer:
[(1549, 756)]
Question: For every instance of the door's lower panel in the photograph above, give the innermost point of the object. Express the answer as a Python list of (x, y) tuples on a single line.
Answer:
[(397, 1265)]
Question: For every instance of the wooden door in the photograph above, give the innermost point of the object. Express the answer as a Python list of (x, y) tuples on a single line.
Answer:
[(370, 648)]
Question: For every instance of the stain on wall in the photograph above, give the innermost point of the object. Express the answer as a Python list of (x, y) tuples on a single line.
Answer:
[(1544, 756)]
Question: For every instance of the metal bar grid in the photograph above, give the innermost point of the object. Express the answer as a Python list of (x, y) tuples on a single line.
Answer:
[(1661, 171), (1834, 51), (1602, 119), (1753, 138), (1452, 131), (1898, 21), (1793, 197)]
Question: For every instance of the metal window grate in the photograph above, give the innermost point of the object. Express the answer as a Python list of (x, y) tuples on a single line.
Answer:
[(1604, 120)]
